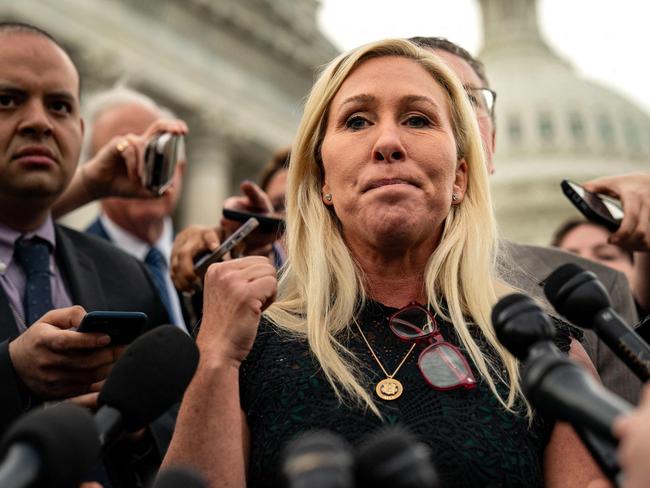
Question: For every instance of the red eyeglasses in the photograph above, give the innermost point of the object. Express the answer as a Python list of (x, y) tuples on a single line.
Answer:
[(442, 364)]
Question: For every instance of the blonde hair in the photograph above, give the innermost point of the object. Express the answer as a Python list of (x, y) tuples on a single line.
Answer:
[(320, 285)]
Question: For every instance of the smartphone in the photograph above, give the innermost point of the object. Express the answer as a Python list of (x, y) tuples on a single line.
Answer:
[(123, 327), (202, 262), (161, 155), (267, 224), (598, 208)]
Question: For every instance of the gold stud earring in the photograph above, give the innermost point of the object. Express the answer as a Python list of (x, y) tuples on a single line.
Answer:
[(454, 197), (328, 197)]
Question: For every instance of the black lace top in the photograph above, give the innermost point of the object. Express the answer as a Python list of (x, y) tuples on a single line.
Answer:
[(474, 440)]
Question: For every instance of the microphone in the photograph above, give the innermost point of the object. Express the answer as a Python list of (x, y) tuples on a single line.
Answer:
[(151, 376), (550, 380), (580, 297), (318, 459), (556, 385), (53, 447), (177, 477), (393, 458)]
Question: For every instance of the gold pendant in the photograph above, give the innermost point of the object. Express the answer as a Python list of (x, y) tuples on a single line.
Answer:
[(389, 389)]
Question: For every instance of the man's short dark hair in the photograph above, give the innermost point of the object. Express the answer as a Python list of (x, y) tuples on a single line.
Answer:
[(446, 45), (10, 27)]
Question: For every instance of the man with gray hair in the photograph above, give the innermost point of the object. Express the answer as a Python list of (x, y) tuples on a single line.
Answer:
[(141, 227)]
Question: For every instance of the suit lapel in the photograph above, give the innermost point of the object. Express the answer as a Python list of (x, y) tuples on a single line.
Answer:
[(80, 273), (8, 326)]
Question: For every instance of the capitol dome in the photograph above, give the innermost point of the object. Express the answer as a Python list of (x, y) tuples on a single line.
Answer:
[(551, 124)]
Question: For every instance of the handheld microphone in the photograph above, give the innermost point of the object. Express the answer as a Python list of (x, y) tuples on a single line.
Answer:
[(151, 376), (556, 385), (393, 458), (177, 477), (580, 297), (318, 459), (53, 447)]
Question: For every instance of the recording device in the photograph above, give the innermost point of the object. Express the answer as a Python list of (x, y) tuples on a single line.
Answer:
[(202, 262), (318, 459), (556, 385), (148, 379), (598, 208), (268, 224), (161, 155), (123, 327), (579, 296), (179, 477), (394, 458), (53, 447)]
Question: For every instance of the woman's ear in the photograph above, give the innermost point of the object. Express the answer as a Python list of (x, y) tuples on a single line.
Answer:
[(460, 182)]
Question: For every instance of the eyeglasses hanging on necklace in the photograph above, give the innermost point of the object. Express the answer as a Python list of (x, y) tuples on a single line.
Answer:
[(442, 365)]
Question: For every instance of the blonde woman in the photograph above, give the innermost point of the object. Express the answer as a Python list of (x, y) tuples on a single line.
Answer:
[(382, 310)]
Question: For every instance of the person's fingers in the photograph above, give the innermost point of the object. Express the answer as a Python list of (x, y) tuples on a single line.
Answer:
[(64, 318), (623, 236), (259, 200), (606, 185), (87, 400)]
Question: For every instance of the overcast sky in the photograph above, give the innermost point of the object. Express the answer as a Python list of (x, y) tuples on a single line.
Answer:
[(605, 40)]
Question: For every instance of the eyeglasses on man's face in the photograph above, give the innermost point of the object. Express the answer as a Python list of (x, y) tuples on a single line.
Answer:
[(482, 99)]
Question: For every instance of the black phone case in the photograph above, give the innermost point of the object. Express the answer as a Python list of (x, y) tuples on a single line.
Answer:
[(586, 210), (123, 327), (267, 224)]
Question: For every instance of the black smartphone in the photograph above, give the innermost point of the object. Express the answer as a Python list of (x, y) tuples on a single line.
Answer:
[(161, 155), (598, 208), (202, 262), (267, 224), (123, 327)]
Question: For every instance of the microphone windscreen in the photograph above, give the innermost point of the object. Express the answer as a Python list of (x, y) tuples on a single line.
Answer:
[(151, 376), (393, 458), (318, 459), (558, 278), (504, 304), (179, 478), (66, 438)]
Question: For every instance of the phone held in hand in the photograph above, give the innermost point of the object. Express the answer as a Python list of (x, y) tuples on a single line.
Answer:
[(598, 208), (123, 327), (268, 224), (202, 262), (161, 155)]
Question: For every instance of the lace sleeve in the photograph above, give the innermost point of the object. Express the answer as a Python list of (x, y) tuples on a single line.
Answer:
[(564, 333), (248, 373)]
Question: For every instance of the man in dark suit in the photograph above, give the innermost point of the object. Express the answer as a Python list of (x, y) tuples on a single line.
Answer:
[(524, 266), (50, 275)]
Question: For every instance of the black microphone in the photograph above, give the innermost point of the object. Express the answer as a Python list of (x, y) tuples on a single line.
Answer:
[(393, 458), (550, 380), (54, 447), (149, 378), (318, 459), (177, 477), (556, 385), (580, 297)]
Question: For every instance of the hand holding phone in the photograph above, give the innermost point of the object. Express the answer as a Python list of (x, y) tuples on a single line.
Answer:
[(122, 327), (202, 262), (598, 208)]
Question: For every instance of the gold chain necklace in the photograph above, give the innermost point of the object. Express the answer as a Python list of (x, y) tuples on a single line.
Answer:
[(389, 388)]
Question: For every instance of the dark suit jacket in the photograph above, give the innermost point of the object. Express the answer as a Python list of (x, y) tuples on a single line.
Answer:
[(99, 277), (191, 307), (525, 267)]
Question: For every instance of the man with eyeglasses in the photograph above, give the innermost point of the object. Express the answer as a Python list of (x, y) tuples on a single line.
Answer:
[(525, 266)]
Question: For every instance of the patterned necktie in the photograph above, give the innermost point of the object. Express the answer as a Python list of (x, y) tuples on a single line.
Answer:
[(157, 264), (33, 256)]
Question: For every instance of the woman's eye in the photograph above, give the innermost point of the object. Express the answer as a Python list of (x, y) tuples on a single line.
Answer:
[(417, 121), (356, 122)]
